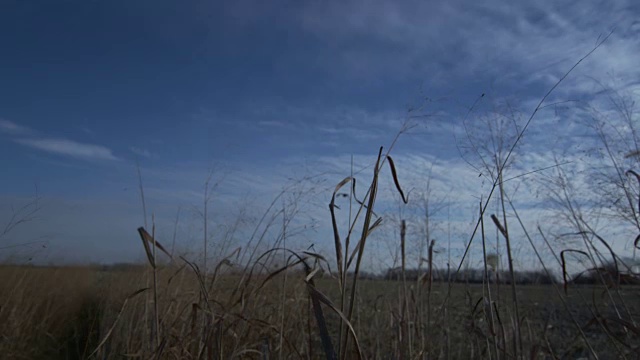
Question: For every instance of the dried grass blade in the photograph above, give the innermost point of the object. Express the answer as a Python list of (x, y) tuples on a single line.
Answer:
[(319, 258), (498, 225), (148, 239), (327, 345), (214, 277), (627, 324), (334, 224), (160, 350), (564, 265), (194, 319), (395, 179), (203, 289), (632, 154), (176, 273), (311, 275), (353, 254), (361, 203), (147, 250), (226, 262), (613, 254), (318, 296), (355, 251), (278, 271), (115, 322), (375, 225), (637, 178), (316, 256), (373, 189)]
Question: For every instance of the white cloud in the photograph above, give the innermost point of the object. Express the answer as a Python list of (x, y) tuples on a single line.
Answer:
[(28, 137), (69, 148), (456, 40)]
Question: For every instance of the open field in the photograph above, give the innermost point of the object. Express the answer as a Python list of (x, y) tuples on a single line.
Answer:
[(68, 313)]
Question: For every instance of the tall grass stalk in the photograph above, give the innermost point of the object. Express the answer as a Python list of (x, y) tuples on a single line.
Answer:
[(488, 313), (156, 315), (504, 230), (283, 299), (548, 272), (373, 189)]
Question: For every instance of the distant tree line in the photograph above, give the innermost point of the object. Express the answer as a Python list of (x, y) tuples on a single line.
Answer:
[(472, 276), (609, 274)]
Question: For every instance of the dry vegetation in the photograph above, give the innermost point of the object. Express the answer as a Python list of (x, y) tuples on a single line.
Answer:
[(70, 313)]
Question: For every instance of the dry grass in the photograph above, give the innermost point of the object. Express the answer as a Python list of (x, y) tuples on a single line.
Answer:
[(65, 313)]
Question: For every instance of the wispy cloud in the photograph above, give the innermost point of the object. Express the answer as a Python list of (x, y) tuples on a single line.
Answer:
[(141, 152), (31, 138), (12, 128), (88, 131), (340, 124), (456, 40), (271, 123), (69, 148)]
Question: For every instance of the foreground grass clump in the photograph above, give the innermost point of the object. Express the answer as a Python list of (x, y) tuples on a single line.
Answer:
[(68, 313), (49, 312)]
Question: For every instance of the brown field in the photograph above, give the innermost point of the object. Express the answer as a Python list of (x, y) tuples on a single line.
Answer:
[(75, 312)]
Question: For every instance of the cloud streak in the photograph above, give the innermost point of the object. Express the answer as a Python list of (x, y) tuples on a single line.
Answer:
[(59, 146), (69, 148), (9, 127), (494, 41), (141, 152)]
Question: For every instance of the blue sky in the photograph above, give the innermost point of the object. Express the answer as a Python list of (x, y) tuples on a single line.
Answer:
[(261, 92)]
